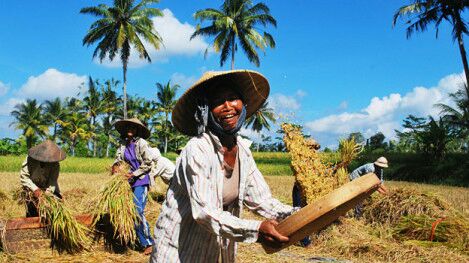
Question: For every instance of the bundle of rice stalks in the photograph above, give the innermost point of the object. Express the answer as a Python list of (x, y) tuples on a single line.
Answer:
[(453, 230), (115, 204), (389, 209), (66, 232), (349, 150), (316, 177)]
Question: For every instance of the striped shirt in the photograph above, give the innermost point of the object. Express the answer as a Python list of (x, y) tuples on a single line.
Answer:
[(192, 225)]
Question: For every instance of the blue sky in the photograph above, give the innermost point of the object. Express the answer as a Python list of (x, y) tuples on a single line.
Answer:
[(339, 66)]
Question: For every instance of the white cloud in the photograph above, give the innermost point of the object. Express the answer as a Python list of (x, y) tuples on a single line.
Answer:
[(343, 105), (301, 93), (51, 84), (182, 80), (8, 106), (176, 42), (280, 102), (386, 114), (4, 88)]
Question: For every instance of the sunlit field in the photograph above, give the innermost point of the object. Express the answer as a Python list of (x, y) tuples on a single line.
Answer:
[(79, 189)]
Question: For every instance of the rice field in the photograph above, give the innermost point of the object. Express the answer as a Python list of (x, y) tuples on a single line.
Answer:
[(79, 188)]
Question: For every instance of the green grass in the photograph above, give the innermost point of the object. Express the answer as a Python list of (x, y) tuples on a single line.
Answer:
[(268, 163)]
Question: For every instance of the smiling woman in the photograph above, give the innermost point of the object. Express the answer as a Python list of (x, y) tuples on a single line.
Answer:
[(216, 175)]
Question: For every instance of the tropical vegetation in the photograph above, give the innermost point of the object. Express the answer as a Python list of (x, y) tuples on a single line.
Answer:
[(237, 22), (120, 30)]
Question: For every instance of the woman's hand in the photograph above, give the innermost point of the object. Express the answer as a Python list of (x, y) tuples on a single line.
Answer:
[(382, 189), (268, 233), (129, 175), (37, 193)]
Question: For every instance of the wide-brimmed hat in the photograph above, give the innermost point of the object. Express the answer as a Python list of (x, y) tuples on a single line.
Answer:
[(251, 85), (47, 152), (381, 162), (142, 130)]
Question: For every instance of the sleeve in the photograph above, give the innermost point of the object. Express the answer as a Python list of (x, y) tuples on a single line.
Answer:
[(164, 168), (258, 197), (146, 156), (119, 155), (25, 178), (193, 172), (53, 180)]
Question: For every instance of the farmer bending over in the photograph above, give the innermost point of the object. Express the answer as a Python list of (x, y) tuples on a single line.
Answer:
[(39, 173), (376, 168), (145, 163), (216, 175)]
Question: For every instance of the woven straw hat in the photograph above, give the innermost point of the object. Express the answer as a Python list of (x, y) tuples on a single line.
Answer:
[(47, 152), (142, 130), (381, 162), (251, 85)]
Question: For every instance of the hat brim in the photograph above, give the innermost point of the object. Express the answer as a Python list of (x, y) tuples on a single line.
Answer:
[(382, 165), (252, 86), (47, 152), (142, 131)]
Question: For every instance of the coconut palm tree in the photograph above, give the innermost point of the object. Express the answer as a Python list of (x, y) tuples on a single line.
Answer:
[(111, 102), (261, 118), (422, 13), (54, 110), (236, 22), (458, 116), (28, 117), (93, 105), (166, 100), (75, 127), (121, 27)]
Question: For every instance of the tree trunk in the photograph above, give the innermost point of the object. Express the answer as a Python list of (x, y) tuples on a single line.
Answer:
[(462, 50), (125, 88), (72, 148), (55, 131), (29, 142), (232, 52), (108, 146), (93, 140), (166, 133)]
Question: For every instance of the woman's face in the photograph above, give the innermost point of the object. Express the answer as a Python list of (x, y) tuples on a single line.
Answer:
[(131, 132), (226, 106)]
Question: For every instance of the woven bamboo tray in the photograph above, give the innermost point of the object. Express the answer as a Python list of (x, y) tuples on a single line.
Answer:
[(27, 233), (318, 215)]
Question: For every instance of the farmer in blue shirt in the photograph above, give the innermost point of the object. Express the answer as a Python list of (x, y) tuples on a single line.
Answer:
[(376, 168)]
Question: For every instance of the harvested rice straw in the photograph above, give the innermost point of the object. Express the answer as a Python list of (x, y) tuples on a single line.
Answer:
[(389, 209), (66, 232), (453, 230), (349, 150), (315, 177), (116, 201)]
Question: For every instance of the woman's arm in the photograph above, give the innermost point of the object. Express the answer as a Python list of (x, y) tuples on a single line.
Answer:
[(258, 197), (193, 170), (146, 157)]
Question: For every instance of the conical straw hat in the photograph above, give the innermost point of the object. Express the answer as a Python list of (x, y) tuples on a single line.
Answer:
[(381, 162), (47, 152), (251, 85), (142, 130)]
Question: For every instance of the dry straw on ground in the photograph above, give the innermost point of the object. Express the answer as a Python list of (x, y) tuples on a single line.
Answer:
[(402, 215), (115, 203)]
